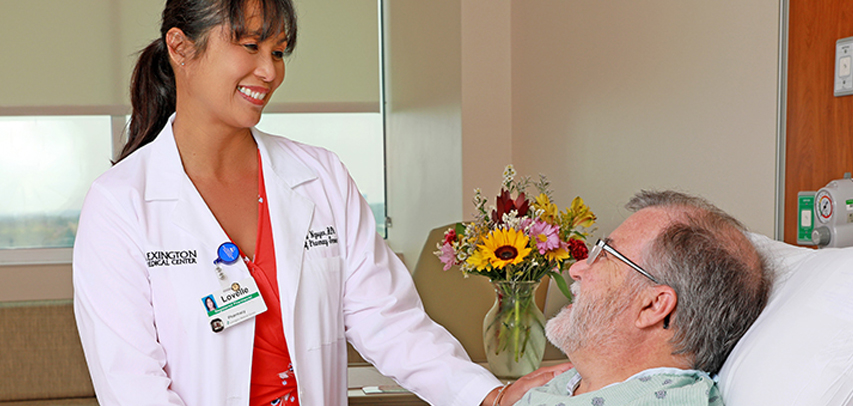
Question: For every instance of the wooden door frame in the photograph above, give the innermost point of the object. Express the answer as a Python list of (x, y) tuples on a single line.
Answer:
[(781, 123)]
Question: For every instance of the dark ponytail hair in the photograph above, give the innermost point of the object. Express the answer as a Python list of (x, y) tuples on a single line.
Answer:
[(152, 85)]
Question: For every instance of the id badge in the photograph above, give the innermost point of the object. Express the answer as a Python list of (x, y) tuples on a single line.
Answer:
[(239, 302)]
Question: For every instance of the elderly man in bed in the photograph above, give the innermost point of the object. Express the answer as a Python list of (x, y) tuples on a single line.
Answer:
[(658, 306)]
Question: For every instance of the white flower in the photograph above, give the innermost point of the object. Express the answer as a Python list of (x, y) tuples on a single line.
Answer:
[(511, 220), (509, 172)]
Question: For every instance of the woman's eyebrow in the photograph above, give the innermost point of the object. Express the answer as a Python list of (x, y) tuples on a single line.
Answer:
[(259, 34)]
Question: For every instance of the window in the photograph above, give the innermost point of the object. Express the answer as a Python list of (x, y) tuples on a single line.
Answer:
[(46, 166), (48, 162)]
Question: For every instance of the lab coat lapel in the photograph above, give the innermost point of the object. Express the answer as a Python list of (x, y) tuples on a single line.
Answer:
[(166, 180), (290, 215)]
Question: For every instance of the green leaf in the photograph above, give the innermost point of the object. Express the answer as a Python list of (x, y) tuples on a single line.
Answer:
[(460, 229), (561, 283)]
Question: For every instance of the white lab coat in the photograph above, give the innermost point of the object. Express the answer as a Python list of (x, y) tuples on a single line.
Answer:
[(144, 329)]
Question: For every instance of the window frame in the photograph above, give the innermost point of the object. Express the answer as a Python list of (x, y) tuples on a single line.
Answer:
[(118, 114)]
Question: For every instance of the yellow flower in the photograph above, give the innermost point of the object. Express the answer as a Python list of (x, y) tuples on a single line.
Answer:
[(478, 260), (581, 214), (559, 254), (505, 247), (549, 210)]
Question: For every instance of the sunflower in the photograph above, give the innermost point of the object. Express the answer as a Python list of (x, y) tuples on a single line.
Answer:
[(505, 247), (478, 260)]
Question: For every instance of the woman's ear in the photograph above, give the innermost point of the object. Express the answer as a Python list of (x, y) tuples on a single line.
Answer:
[(179, 45), (657, 307)]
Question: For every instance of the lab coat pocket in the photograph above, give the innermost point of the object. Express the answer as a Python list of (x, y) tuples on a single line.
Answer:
[(321, 307)]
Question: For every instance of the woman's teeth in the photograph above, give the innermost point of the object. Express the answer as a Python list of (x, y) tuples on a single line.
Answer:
[(254, 95)]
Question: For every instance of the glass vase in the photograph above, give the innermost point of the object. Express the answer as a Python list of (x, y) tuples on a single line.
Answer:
[(514, 330)]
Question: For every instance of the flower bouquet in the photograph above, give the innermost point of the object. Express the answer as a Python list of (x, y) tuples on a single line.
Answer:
[(515, 244)]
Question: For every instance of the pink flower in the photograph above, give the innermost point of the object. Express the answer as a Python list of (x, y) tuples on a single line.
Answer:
[(546, 236), (448, 256)]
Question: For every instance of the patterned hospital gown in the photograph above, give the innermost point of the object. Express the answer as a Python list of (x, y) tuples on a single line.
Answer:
[(659, 387)]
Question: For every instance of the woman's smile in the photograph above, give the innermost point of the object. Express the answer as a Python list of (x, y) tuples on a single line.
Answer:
[(254, 94)]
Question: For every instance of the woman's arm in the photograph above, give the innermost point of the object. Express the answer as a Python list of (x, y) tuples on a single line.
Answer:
[(113, 306), (385, 319)]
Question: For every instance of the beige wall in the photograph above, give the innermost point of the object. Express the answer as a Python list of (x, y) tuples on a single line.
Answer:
[(487, 106), (612, 97), (35, 282), (423, 120)]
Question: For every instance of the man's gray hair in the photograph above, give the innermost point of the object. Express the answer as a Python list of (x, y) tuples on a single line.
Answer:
[(722, 282)]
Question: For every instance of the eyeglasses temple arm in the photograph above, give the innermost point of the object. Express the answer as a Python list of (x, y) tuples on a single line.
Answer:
[(630, 263)]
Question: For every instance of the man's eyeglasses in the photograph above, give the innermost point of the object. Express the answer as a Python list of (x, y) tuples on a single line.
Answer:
[(603, 245)]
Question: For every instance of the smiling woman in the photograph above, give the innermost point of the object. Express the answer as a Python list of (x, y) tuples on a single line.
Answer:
[(308, 272)]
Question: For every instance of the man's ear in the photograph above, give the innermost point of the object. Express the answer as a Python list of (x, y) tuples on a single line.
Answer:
[(657, 306), (179, 45)]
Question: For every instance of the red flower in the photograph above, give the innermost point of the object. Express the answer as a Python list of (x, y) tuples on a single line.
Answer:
[(578, 249), (505, 204), (449, 236)]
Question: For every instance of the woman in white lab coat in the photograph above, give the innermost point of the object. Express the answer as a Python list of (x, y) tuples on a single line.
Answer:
[(159, 236)]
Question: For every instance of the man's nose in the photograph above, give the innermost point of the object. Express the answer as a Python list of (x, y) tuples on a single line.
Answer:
[(577, 269)]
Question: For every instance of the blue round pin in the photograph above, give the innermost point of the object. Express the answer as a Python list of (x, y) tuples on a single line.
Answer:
[(228, 252)]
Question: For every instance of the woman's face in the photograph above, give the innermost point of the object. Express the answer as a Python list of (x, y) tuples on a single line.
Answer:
[(232, 81)]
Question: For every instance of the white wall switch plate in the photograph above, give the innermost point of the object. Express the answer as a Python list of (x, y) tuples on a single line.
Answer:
[(843, 69)]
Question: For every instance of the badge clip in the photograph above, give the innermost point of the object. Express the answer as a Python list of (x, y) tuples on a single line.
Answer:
[(227, 253)]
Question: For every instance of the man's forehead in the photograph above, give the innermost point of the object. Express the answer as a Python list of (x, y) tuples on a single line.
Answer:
[(641, 227)]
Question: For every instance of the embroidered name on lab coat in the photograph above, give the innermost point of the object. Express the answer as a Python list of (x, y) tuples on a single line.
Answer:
[(169, 258), (321, 238)]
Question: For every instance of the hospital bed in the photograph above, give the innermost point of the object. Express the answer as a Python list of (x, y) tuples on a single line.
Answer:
[(800, 350)]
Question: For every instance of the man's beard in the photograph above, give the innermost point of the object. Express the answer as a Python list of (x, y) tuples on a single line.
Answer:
[(589, 321)]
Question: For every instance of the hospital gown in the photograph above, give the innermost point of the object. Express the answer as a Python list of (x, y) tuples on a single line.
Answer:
[(659, 386)]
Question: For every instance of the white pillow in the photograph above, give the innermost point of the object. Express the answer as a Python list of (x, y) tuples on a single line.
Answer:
[(800, 350)]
